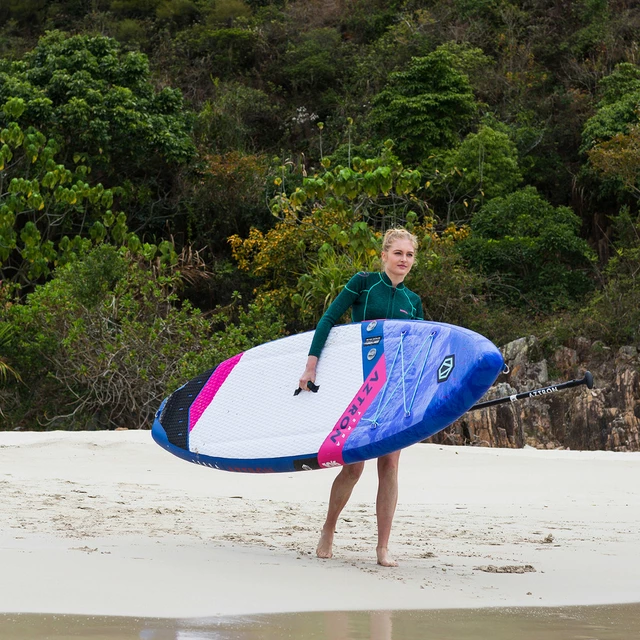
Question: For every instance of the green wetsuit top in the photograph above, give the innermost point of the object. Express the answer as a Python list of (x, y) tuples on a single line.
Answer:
[(371, 296)]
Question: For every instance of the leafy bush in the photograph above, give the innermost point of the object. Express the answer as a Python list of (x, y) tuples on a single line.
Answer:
[(391, 51), (237, 118), (47, 212), (131, 31), (367, 20), (450, 292), (425, 108), (226, 11), (612, 314), (100, 104), (482, 167), (178, 12), (618, 106), (6, 335), (618, 158), (313, 63), (231, 198), (108, 330), (531, 251), (226, 50)]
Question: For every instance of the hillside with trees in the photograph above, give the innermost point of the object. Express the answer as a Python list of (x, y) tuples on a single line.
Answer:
[(184, 179)]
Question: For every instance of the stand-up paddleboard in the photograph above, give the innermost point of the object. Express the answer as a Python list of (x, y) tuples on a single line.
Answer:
[(382, 385)]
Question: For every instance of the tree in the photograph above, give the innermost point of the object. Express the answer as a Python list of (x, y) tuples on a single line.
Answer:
[(425, 108), (230, 198), (100, 106), (312, 64), (612, 313), (237, 118), (50, 215), (41, 202), (482, 167), (618, 106), (531, 250), (619, 158), (225, 51)]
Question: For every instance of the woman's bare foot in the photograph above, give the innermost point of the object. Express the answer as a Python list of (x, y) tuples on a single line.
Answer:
[(384, 559), (325, 545)]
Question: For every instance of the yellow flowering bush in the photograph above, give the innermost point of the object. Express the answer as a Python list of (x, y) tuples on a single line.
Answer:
[(330, 227)]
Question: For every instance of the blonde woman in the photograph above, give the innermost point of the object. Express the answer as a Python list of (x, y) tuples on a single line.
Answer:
[(371, 296)]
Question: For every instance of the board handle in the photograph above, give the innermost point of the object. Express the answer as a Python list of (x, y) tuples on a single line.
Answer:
[(312, 387)]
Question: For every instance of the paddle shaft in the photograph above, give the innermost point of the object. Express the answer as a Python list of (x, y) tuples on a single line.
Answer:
[(588, 380)]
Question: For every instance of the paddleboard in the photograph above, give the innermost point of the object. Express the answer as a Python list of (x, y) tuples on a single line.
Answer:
[(382, 385)]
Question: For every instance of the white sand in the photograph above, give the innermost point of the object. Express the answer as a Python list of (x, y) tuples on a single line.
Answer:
[(109, 523)]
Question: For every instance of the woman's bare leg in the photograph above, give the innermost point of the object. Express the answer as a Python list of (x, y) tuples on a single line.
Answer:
[(340, 494), (386, 504)]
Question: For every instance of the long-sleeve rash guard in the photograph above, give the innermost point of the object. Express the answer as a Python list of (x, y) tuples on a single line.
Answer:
[(371, 296)]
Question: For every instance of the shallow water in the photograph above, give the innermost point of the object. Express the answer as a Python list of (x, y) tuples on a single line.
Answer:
[(618, 622)]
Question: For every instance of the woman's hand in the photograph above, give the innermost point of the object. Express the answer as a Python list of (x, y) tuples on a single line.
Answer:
[(309, 374)]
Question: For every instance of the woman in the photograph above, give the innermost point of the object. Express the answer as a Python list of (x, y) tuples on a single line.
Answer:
[(370, 296)]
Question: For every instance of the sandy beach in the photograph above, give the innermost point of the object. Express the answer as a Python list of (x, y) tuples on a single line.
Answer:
[(108, 523)]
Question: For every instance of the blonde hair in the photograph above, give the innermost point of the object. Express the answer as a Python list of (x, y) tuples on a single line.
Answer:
[(398, 233)]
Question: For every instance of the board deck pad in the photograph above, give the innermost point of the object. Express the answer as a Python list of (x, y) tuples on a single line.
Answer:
[(383, 385)]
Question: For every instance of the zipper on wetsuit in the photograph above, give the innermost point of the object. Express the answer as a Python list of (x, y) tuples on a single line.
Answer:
[(391, 306)]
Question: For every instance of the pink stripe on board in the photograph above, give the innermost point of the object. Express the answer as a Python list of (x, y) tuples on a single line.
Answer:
[(210, 389), (330, 453)]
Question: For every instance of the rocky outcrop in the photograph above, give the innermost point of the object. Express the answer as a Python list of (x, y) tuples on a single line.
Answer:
[(605, 417)]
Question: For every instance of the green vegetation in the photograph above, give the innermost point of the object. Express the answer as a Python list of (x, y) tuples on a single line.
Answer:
[(425, 107), (532, 251), (182, 179)]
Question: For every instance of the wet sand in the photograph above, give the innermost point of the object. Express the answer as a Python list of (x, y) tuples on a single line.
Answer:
[(619, 622)]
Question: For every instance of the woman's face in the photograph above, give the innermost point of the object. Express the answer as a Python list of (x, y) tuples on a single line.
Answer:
[(399, 259)]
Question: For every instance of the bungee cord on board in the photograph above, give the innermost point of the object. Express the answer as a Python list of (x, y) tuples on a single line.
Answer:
[(400, 351)]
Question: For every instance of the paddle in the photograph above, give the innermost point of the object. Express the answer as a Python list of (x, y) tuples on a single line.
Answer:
[(588, 380)]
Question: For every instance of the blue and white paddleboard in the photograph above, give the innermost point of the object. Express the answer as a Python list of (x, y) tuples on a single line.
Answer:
[(383, 385)]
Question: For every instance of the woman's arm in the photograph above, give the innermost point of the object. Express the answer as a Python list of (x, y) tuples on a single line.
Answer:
[(330, 318), (309, 374), (336, 310)]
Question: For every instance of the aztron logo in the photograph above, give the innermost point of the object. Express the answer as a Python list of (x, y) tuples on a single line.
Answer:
[(445, 369)]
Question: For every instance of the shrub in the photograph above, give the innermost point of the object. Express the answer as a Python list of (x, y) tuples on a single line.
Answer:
[(426, 107), (230, 199), (100, 104), (612, 314), (531, 251), (111, 335), (238, 118)]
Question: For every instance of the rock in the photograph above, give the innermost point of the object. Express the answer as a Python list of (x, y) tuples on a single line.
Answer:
[(605, 417), (627, 354), (518, 351), (526, 372), (565, 361)]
